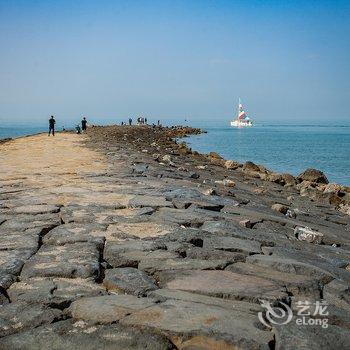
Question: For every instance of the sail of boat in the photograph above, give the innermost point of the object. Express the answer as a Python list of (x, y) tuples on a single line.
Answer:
[(242, 119)]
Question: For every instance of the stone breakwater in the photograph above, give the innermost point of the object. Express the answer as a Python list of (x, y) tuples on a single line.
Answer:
[(125, 238)]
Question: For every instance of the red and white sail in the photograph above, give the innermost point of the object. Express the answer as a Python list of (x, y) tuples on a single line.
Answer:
[(241, 113), (242, 118)]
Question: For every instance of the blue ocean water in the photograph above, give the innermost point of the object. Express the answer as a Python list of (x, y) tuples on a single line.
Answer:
[(281, 148), (17, 131)]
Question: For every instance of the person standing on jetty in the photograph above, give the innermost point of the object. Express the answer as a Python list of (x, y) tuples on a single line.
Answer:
[(130, 121), (52, 123), (83, 124)]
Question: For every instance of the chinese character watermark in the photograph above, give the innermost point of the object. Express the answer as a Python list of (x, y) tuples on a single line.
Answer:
[(308, 314)]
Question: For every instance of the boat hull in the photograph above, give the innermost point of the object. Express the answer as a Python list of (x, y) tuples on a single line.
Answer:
[(239, 124)]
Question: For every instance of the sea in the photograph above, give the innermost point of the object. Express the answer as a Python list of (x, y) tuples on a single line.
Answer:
[(17, 131), (287, 148), (284, 148)]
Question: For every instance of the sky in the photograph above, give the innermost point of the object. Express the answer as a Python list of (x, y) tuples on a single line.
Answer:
[(289, 61)]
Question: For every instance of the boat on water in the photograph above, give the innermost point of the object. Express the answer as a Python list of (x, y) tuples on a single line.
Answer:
[(242, 119)]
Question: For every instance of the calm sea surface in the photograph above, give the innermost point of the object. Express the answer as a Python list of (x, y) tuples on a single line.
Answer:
[(18, 131), (282, 148)]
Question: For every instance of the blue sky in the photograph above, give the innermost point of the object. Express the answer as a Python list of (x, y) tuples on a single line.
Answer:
[(287, 60)]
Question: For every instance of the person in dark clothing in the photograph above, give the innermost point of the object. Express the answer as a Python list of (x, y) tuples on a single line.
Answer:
[(83, 124), (130, 121), (145, 120), (52, 123)]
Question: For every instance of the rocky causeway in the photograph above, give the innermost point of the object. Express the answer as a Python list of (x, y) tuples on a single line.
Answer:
[(124, 238)]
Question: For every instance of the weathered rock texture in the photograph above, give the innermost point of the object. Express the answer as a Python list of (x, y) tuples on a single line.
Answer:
[(124, 238)]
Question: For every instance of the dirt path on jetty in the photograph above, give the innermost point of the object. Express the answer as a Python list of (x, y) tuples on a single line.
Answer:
[(49, 166), (126, 239)]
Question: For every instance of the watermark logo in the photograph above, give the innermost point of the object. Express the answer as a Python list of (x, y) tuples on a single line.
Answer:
[(275, 315), (308, 314)]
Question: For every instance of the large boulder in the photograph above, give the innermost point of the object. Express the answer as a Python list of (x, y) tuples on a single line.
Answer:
[(332, 188), (289, 180), (214, 155), (232, 165), (250, 166), (282, 179), (216, 159), (313, 175), (255, 171), (280, 208)]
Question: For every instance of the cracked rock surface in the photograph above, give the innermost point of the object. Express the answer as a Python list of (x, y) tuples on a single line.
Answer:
[(123, 238)]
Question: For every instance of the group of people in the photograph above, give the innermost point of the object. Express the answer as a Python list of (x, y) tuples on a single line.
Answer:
[(79, 129), (52, 123), (140, 121)]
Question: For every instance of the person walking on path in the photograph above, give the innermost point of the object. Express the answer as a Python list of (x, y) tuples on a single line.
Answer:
[(52, 123), (83, 124)]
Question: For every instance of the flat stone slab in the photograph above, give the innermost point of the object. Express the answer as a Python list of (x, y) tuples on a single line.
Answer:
[(122, 246), (27, 240), (193, 203), (153, 265), (296, 284), (213, 254), (312, 254), (149, 201), (53, 291), (233, 229), (129, 280), (237, 305), (134, 212), (21, 223), (6, 280), (133, 258), (192, 195), (223, 284), (292, 336), (290, 266), (77, 215), (138, 230), (333, 262), (83, 336), (232, 244), (11, 261), (68, 261), (19, 316), (188, 218), (191, 325), (62, 235), (129, 253), (338, 293), (36, 209), (107, 309), (113, 249)]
